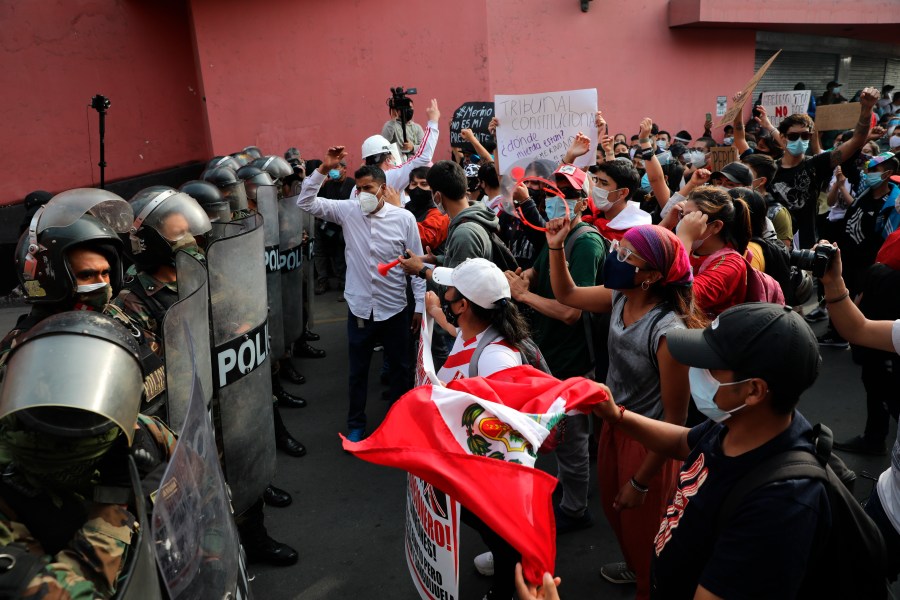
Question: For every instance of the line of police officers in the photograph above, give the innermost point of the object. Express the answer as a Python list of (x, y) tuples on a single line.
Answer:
[(111, 361)]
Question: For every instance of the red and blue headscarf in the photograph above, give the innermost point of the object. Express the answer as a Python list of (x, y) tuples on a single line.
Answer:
[(663, 251)]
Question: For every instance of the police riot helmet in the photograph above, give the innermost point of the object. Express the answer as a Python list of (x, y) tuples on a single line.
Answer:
[(165, 220), (253, 178), (253, 151), (209, 198), (223, 161), (83, 217), (66, 401), (275, 166), (242, 158), (229, 184)]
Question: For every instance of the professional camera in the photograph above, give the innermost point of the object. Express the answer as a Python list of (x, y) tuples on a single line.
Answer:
[(100, 103), (816, 260), (401, 102)]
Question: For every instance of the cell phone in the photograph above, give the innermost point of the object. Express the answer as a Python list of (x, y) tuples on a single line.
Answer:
[(709, 116)]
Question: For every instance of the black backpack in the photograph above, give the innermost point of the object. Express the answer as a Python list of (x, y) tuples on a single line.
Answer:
[(795, 283), (500, 254), (850, 559)]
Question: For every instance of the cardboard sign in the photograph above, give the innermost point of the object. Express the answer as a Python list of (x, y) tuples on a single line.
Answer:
[(735, 110), (432, 540), (830, 117), (475, 116), (779, 105), (719, 156), (543, 126)]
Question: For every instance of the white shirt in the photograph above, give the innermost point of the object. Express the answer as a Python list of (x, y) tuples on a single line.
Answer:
[(631, 216), (497, 356), (371, 239), (398, 177), (888, 485)]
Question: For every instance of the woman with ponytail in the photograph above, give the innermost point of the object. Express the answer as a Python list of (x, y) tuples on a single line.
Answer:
[(715, 229), (647, 289)]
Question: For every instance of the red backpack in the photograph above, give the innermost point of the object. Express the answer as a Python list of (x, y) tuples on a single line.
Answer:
[(761, 287)]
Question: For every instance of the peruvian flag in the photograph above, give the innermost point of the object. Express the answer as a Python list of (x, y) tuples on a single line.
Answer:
[(477, 440)]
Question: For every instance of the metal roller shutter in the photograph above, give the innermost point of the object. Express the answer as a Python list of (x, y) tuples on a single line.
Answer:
[(815, 69), (892, 76), (865, 71)]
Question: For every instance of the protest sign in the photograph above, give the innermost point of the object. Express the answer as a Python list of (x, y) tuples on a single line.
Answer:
[(735, 110), (837, 116), (719, 156), (779, 105), (542, 126), (475, 116), (721, 105), (432, 540)]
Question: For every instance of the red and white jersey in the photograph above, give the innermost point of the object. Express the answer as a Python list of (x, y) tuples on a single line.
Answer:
[(498, 355)]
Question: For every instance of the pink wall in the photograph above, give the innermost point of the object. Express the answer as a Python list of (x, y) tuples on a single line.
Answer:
[(57, 54), (313, 74)]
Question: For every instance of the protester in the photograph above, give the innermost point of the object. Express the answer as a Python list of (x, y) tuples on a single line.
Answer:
[(329, 237), (393, 130)]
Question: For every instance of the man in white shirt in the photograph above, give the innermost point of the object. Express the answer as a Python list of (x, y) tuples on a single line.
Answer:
[(375, 231)]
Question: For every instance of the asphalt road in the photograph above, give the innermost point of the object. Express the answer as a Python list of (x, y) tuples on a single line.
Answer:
[(347, 517)]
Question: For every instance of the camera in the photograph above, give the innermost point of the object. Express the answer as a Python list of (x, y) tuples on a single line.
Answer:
[(401, 102), (816, 261), (100, 103)]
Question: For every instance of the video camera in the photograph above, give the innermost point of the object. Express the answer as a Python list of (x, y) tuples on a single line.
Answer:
[(401, 102)]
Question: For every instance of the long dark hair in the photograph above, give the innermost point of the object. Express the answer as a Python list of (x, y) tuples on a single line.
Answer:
[(681, 299), (715, 202), (505, 318)]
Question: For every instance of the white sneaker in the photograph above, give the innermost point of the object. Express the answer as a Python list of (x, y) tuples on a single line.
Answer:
[(484, 564)]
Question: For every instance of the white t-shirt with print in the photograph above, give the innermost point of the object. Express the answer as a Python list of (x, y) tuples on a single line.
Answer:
[(889, 482), (497, 356)]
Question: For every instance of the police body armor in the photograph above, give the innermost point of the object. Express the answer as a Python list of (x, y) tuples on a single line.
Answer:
[(290, 225), (197, 545), (267, 205), (242, 381)]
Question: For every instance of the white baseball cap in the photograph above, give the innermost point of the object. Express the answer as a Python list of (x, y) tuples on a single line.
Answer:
[(478, 279)]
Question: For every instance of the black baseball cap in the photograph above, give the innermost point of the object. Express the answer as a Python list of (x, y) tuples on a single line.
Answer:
[(735, 172), (755, 339)]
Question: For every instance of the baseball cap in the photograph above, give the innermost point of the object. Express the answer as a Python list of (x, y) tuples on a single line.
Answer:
[(833, 84), (878, 159), (735, 172), (478, 279), (757, 339), (573, 174)]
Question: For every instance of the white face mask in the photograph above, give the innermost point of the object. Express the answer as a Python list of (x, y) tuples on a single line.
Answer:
[(704, 388), (368, 203), (601, 199), (895, 141), (727, 141), (662, 144), (90, 287)]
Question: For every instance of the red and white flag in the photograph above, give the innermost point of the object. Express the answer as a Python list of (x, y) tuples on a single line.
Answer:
[(477, 440)]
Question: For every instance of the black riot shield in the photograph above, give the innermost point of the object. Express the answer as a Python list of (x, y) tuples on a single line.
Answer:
[(290, 225), (267, 204), (196, 541), (242, 380), (186, 339)]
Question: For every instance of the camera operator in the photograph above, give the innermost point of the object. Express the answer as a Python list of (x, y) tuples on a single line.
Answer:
[(376, 152), (393, 128)]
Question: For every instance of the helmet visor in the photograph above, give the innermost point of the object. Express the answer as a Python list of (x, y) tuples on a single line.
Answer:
[(177, 217)]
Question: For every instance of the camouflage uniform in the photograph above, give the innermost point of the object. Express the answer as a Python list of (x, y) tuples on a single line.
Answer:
[(93, 561), (130, 308)]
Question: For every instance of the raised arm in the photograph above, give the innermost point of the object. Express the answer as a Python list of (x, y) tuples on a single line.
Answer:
[(329, 210), (740, 137), (867, 100), (655, 174), (596, 299), (469, 136), (398, 178)]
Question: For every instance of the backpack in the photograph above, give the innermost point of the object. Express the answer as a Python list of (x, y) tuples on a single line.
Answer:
[(761, 287), (531, 354), (795, 283), (854, 545), (596, 327), (500, 254)]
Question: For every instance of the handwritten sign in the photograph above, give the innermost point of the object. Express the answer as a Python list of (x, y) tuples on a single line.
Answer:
[(779, 105), (731, 113), (837, 116), (432, 540), (542, 126), (475, 116), (719, 156)]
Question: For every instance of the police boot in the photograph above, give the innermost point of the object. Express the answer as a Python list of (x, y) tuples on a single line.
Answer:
[(303, 350), (286, 400), (309, 336), (284, 441), (288, 372), (277, 497), (260, 548)]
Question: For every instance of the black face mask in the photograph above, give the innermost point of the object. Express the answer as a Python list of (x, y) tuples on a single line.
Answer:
[(420, 201), (539, 196), (452, 318)]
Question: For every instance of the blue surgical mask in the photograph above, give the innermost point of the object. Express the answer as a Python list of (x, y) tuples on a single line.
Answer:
[(874, 179), (798, 147), (645, 183), (618, 275), (662, 144), (334, 174), (704, 388), (555, 207)]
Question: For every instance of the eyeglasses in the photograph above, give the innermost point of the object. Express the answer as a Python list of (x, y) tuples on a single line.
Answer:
[(796, 135), (623, 253)]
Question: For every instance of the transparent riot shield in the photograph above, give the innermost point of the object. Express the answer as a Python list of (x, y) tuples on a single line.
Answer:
[(197, 547), (267, 204), (290, 225), (242, 381), (186, 336), (309, 268), (140, 580)]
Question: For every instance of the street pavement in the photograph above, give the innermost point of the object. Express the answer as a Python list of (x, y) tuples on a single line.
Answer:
[(347, 517)]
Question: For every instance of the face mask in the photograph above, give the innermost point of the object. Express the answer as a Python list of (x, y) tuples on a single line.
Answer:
[(728, 141), (704, 388), (662, 144), (696, 243), (837, 90), (601, 199), (93, 296), (798, 147), (440, 205), (895, 141), (452, 317), (555, 208), (368, 203), (334, 174), (618, 275), (873, 179), (538, 196)]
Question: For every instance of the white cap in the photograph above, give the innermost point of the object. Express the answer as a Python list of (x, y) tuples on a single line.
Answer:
[(478, 279), (376, 144)]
